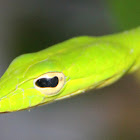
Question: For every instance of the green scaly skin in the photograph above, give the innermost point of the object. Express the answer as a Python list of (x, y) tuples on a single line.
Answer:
[(87, 63)]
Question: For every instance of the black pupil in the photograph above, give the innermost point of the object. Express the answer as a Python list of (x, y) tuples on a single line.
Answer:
[(47, 82)]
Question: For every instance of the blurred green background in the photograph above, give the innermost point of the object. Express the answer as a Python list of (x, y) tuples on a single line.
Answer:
[(111, 113)]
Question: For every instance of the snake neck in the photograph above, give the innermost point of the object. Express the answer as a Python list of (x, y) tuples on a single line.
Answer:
[(130, 40)]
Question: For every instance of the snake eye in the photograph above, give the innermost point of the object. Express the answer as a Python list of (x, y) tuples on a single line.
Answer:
[(47, 82), (50, 83)]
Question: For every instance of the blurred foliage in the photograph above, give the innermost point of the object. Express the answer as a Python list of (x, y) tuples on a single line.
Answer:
[(126, 13)]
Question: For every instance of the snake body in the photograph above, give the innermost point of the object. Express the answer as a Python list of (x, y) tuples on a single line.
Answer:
[(68, 68)]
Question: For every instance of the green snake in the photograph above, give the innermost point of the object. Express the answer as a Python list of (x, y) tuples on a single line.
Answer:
[(68, 68)]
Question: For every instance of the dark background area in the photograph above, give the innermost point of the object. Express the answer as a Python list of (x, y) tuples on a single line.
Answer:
[(111, 113)]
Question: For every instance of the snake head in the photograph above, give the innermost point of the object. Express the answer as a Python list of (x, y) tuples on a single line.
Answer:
[(39, 78)]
